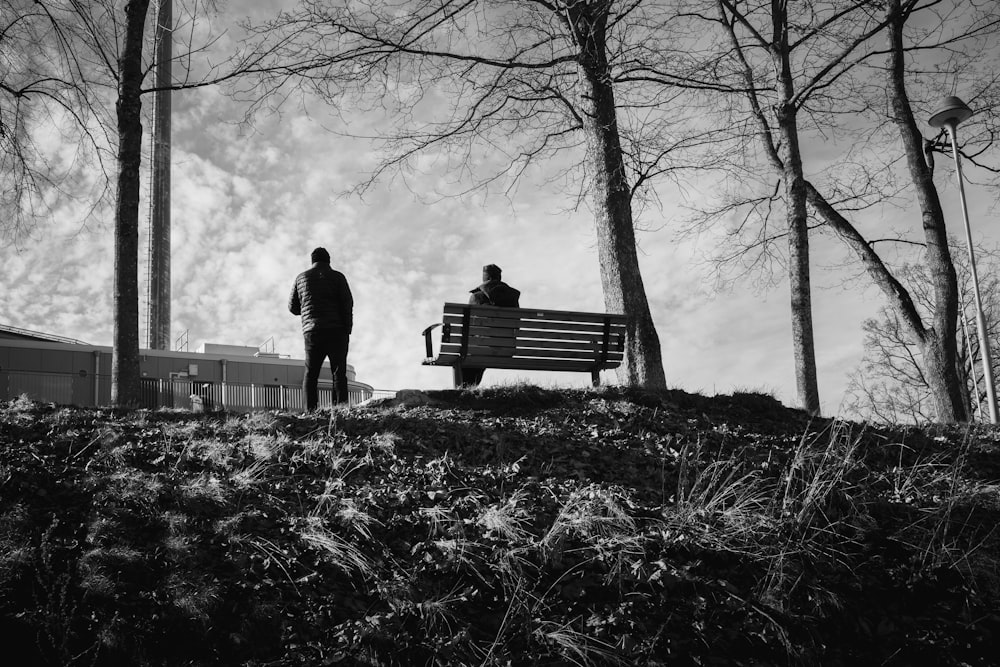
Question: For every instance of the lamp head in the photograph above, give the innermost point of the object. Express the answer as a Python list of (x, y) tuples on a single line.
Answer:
[(951, 111)]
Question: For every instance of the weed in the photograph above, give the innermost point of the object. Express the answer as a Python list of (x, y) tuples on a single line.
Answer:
[(442, 520), (822, 521), (383, 443), (205, 488), (210, 452), (339, 552), (507, 520), (273, 554), (576, 647), (266, 446), (732, 502), (258, 422), (195, 597), (15, 551), (820, 487), (350, 516), (945, 533), (596, 516), (23, 404), (57, 604), (437, 614), (251, 474)]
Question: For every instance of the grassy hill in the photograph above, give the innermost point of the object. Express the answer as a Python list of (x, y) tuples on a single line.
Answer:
[(510, 526)]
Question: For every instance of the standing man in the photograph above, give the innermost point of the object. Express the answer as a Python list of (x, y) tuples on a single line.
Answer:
[(323, 299)]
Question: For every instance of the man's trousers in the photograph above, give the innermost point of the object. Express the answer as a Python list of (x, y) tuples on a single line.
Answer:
[(323, 344)]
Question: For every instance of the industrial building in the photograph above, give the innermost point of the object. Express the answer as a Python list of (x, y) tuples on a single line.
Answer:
[(64, 371)]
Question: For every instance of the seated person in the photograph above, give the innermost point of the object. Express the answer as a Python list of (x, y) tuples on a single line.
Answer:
[(492, 292)]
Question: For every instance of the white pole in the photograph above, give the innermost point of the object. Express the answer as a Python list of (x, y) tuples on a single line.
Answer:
[(984, 343), (972, 362)]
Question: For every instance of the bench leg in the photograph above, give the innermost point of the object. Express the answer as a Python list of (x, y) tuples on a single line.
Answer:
[(595, 378), (467, 377)]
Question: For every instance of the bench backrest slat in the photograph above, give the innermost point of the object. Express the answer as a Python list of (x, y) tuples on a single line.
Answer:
[(532, 313), (541, 328)]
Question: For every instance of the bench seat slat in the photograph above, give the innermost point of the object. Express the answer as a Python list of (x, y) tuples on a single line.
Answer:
[(522, 364), (495, 353), (443, 359), (555, 348), (537, 364)]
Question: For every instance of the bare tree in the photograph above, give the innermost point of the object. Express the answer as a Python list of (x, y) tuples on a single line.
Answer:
[(43, 92), (935, 334), (92, 55), (889, 384), (842, 86), (518, 82), (768, 67)]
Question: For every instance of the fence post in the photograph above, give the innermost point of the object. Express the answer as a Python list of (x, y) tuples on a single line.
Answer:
[(97, 378), (222, 362)]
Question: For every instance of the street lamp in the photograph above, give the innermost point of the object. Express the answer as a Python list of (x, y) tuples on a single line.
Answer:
[(951, 112)]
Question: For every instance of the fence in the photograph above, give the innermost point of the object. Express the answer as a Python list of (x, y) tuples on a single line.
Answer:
[(48, 387), (80, 390)]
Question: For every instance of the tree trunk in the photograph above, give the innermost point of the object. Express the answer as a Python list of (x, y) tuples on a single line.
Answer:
[(796, 214), (781, 148), (125, 344), (620, 276), (938, 368), (800, 286), (939, 344)]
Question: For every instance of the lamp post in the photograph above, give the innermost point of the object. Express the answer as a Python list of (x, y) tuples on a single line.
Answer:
[(950, 113)]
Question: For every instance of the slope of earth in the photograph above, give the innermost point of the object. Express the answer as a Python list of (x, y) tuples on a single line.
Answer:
[(508, 526)]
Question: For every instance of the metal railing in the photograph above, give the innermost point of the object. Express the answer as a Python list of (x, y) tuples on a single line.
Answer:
[(185, 394)]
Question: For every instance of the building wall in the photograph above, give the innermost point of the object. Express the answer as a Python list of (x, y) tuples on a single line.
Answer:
[(76, 374)]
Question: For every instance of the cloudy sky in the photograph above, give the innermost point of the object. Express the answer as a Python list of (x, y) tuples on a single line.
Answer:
[(249, 206)]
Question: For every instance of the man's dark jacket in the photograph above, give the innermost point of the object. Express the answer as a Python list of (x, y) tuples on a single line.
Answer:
[(495, 293), (323, 299)]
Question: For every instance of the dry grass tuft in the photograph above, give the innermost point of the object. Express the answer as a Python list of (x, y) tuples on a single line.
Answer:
[(339, 552)]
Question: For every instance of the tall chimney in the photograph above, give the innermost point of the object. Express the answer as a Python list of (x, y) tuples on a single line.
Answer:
[(159, 200)]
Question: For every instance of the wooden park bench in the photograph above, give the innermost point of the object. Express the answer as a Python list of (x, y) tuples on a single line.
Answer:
[(529, 339)]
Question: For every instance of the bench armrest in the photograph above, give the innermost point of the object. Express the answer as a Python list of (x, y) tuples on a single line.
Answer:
[(427, 340), (445, 335)]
